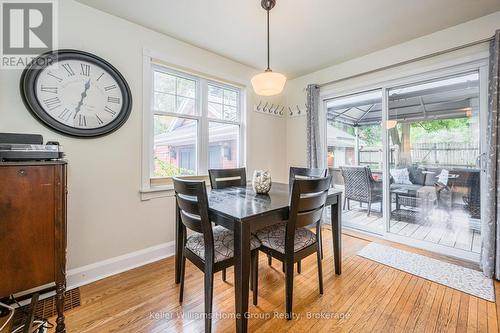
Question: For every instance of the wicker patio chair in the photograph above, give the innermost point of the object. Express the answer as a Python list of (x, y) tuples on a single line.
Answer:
[(360, 186)]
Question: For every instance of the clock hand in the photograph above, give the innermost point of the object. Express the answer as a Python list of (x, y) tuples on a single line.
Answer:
[(84, 94)]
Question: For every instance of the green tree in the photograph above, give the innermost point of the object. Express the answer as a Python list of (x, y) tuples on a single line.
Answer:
[(165, 169)]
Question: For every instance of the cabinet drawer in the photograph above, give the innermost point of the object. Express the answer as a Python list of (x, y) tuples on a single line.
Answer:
[(27, 227)]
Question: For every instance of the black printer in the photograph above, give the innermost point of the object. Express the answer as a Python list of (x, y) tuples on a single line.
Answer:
[(28, 147)]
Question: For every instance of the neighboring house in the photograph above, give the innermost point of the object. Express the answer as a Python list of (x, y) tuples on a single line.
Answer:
[(177, 146)]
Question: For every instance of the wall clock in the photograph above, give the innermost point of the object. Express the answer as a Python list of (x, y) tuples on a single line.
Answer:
[(76, 93)]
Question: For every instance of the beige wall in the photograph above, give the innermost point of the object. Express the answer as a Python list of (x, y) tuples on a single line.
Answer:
[(106, 215), (468, 32)]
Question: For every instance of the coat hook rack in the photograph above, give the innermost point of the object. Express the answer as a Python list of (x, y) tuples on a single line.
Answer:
[(296, 111), (280, 110), (270, 109)]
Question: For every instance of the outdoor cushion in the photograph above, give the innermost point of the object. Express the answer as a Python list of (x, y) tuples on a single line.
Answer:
[(412, 189), (416, 175), (431, 176), (223, 244), (401, 176), (443, 177), (273, 237)]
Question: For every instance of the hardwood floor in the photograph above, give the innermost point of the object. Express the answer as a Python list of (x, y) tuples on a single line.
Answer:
[(367, 297)]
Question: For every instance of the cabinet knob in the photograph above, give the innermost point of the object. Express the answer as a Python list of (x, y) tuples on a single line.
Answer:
[(22, 173)]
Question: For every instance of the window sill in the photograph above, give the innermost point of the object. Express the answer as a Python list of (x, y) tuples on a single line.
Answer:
[(164, 187), (155, 192)]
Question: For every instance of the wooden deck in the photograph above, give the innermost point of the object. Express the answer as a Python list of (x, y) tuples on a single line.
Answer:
[(439, 227), (367, 297)]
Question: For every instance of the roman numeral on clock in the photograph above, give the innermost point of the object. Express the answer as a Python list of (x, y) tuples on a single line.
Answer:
[(55, 77), (115, 100), (108, 110), (99, 120), (111, 87), (52, 90), (82, 121), (85, 69), (65, 114), (68, 69), (52, 103)]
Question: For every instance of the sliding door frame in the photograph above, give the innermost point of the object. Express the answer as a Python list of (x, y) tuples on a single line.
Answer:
[(477, 62)]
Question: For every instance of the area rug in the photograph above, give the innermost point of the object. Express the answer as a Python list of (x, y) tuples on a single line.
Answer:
[(463, 279)]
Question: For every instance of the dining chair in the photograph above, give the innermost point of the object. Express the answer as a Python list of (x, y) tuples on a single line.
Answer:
[(221, 178), (300, 173), (292, 241), (209, 248)]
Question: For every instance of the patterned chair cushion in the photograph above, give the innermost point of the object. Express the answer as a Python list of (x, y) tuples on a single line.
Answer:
[(273, 237), (223, 244)]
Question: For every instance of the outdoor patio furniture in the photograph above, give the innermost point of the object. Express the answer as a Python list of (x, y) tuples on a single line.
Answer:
[(360, 186), (472, 199)]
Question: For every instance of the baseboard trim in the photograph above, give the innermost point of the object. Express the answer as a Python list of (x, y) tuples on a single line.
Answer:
[(80, 276)]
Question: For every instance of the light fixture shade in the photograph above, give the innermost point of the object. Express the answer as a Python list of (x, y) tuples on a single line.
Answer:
[(268, 83), (391, 124)]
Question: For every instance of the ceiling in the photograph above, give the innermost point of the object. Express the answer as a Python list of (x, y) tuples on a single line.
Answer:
[(306, 35)]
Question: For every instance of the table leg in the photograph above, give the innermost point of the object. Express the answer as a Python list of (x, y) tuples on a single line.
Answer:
[(336, 215), (178, 246), (242, 274)]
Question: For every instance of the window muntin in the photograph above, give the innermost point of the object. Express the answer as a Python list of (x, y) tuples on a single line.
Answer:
[(174, 94), (223, 103)]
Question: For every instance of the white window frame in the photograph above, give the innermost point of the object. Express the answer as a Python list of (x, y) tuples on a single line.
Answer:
[(202, 142)]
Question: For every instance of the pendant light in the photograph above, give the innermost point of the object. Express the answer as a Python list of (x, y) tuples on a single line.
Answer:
[(268, 83)]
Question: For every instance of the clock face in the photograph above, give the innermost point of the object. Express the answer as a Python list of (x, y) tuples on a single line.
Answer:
[(76, 93), (79, 94)]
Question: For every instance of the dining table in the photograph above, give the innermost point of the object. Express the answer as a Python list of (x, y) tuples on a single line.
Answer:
[(243, 211)]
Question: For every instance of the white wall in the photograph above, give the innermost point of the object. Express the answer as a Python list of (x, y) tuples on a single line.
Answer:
[(465, 33), (106, 217)]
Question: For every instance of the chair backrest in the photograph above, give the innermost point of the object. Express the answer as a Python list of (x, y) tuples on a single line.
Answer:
[(306, 205), (221, 178), (298, 173), (192, 204), (357, 182)]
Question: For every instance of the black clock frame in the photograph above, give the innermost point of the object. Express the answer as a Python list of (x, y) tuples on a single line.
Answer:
[(28, 92)]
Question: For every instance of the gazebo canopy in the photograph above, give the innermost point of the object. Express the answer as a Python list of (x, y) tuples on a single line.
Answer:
[(454, 97)]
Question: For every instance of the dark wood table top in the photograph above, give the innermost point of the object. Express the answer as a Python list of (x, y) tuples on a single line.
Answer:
[(243, 203)]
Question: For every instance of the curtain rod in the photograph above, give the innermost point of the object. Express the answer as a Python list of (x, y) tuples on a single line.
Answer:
[(401, 63)]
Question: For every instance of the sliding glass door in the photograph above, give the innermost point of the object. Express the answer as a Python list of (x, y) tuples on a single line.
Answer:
[(355, 158), (408, 158), (434, 138)]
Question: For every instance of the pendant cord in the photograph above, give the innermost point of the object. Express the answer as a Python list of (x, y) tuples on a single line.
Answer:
[(268, 68)]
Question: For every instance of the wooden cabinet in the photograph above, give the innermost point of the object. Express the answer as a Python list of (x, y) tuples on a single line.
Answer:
[(33, 228)]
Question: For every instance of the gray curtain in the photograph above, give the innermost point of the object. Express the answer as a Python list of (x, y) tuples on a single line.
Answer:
[(314, 152), (490, 230)]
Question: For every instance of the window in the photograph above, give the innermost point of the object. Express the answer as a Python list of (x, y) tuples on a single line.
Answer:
[(196, 124)]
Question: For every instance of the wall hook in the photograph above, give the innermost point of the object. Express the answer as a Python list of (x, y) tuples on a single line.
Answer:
[(258, 106)]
